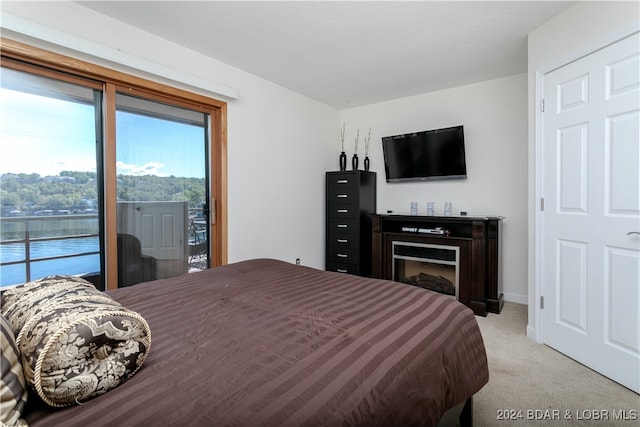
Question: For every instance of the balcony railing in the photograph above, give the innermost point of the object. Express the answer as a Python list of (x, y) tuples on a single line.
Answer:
[(35, 246), (39, 245)]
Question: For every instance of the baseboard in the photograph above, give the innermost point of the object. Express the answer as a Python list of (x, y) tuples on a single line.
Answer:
[(517, 298)]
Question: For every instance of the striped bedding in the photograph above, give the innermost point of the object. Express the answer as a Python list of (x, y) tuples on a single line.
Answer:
[(268, 343)]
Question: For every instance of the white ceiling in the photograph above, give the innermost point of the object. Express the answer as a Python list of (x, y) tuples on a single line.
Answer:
[(348, 54)]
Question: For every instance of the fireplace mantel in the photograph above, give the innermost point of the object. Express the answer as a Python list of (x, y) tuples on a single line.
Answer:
[(478, 240)]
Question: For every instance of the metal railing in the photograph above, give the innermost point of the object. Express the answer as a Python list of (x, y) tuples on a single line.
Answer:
[(19, 235), (27, 231)]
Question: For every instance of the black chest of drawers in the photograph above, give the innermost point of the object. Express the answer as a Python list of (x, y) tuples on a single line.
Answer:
[(351, 198)]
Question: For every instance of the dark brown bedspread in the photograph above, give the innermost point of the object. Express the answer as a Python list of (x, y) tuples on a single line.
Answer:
[(267, 343)]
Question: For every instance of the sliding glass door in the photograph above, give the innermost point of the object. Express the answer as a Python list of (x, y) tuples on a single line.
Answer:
[(105, 175), (50, 183), (162, 189)]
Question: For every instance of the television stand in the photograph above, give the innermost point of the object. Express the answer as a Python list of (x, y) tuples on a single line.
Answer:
[(475, 241)]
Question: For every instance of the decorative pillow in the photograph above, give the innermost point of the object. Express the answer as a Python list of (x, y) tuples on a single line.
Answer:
[(13, 389), (76, 342)]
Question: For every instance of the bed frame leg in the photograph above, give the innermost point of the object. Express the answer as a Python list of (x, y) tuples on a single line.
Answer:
[(466, 416)]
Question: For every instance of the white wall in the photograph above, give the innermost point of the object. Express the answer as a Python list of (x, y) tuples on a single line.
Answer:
[(277, 139), (494, 115), (281, 143), (576, 32)]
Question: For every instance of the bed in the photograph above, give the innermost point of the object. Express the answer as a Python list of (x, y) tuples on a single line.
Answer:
[(268, 343)]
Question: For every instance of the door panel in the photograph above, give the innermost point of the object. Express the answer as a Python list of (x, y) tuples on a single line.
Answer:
[(572, 163), (572, 286), (161, 229), (50, 185), (622, 175), (591, 188), (621, 298), (162, 188)]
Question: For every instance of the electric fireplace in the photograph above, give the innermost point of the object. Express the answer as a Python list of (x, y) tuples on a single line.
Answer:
[(457, 256), (429, 266)]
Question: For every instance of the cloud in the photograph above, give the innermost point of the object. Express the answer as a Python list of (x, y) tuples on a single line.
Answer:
[(149, 168)]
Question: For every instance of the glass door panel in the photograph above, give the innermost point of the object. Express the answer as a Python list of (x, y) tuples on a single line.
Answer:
[(162, 190), (50, 185)]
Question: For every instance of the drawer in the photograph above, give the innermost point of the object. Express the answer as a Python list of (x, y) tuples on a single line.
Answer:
[(342, 196), (344, 255), (343, 193), (342, 242), (343, 267), (343, 182), (343, 210), (343, 226)]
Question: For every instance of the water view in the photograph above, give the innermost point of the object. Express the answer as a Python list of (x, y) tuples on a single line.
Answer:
[(76, 265), (16, 274)]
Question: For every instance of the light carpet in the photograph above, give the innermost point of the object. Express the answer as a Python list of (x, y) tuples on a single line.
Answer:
[(531, 384)]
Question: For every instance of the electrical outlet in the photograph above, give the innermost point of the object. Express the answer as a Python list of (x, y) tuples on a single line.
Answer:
[(297, 261)]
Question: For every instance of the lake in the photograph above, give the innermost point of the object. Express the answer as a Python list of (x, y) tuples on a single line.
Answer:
[(15, 274)]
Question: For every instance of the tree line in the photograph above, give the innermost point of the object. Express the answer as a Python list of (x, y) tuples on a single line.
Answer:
[(77, 192)]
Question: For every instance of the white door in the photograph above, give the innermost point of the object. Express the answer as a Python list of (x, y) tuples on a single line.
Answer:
[(591, 190), (161, 228)]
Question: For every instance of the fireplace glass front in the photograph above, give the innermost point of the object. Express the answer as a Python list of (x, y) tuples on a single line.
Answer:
[(433, 267)]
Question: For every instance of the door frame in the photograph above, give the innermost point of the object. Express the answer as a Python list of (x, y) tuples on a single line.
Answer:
[(536, 331)]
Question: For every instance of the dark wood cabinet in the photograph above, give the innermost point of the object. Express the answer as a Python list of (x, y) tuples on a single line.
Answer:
[(350, 199), (477, 238)]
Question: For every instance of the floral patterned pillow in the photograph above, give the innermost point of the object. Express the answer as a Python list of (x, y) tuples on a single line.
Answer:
[(76, 342)]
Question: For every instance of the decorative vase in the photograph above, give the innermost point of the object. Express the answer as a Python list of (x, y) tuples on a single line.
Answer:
[(366, 164), (354, 162), (343, 162)]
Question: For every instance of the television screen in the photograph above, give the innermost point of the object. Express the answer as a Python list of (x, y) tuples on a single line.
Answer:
[(428, 155)]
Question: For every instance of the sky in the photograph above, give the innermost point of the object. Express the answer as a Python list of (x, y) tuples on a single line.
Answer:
[(46, 135)]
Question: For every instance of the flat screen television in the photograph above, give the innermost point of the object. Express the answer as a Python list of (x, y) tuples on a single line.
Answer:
[(435, 154)]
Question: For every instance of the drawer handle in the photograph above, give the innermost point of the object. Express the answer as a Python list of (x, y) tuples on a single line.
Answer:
[(342, 240), (343, 226), (341, 270), (343, 211), (342, 196), (342, 256), (343, 181)]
